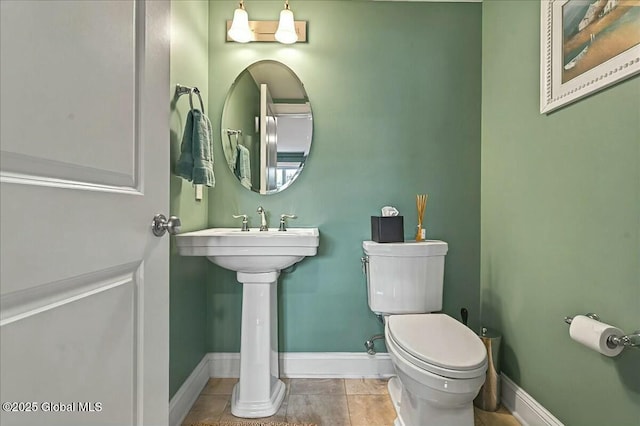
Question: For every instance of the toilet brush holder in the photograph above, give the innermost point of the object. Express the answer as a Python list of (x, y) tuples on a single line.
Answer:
[(488, 398)]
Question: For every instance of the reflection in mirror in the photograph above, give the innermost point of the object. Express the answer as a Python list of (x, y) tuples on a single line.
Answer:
[(267, 127)]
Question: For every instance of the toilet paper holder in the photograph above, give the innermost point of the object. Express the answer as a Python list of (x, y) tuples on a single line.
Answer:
[(631, 340)]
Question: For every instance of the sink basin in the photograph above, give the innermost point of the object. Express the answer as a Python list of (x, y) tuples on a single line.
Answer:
[(253, 251)]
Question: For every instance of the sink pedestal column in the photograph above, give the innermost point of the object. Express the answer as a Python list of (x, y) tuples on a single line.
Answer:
[(259, 392)]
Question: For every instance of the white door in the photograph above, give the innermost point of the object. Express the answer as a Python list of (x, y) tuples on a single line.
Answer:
[(84, 167)]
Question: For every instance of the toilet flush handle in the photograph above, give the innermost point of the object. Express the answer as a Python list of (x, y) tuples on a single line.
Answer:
[(365, 264)]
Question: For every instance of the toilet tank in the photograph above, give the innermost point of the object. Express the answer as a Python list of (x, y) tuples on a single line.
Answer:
[(405, 278)]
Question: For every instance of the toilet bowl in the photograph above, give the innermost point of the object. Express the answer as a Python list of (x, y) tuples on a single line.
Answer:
[(441, 366), (440, 363)]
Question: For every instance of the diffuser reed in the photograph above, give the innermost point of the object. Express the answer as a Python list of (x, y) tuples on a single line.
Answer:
[(421, 204)]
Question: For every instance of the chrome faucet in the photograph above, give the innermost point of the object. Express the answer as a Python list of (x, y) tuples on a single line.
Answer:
[(263, 219)]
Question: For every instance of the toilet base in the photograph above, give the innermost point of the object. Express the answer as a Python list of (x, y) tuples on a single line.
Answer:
[(395, 393), (414, 411)]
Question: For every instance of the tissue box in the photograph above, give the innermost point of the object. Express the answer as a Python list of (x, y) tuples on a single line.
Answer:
[(387, 229)]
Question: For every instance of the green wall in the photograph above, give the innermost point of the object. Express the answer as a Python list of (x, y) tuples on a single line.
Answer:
[(560, 225), (395, 92), (189, 64)]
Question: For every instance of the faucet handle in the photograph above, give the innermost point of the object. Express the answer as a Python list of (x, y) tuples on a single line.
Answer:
[(245, 222), (283, 221)]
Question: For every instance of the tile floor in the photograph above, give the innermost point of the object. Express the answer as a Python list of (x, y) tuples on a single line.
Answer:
[(326, 402)]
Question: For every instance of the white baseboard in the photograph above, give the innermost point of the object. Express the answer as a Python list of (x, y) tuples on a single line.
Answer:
[(524, 408), (292, 364), (223, 364), (182, 401), (311, 365), (342, 365)]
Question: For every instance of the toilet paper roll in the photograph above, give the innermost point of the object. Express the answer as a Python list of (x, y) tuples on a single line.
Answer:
[(593, 334)]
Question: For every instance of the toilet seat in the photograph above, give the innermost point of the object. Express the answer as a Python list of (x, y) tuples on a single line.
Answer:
[(439, 344)]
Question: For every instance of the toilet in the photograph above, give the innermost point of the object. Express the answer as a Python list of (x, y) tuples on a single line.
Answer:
[(440, 363)]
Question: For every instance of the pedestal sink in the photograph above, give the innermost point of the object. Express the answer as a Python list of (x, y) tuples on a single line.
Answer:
[(257, 257)]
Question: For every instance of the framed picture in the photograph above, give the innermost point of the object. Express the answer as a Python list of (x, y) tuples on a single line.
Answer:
[(585, 46)]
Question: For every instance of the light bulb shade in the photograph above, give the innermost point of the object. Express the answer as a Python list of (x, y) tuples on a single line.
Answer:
[(286, 32), (240, 30)]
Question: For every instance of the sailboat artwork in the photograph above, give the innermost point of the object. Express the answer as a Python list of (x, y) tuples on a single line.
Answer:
[(572, 63), (586, 46), (596, 31)]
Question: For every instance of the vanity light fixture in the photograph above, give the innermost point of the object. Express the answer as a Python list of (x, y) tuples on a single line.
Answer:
[(286, 31), (240, 30)]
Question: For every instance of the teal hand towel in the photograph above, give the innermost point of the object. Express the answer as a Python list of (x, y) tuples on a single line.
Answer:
[(244, 166), (196, 157)]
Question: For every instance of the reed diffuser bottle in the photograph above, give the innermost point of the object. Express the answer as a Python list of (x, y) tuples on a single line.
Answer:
[(421, 204)]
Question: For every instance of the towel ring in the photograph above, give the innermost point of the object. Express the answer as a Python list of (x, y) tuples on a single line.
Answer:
[(197, 92), (183, 90)]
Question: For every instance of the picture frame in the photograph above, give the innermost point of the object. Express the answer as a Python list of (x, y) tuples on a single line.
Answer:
[(568, 72)]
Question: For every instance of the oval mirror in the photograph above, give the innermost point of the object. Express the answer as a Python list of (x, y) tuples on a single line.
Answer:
[(267, 127)]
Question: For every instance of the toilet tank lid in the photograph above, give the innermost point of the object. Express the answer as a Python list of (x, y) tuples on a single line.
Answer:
[(407, 248)]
